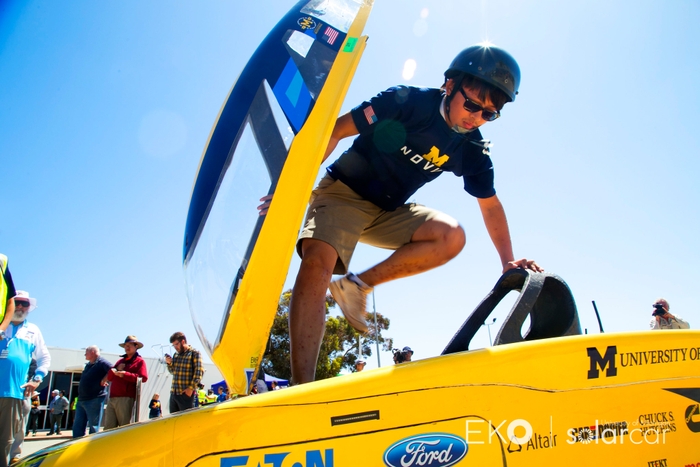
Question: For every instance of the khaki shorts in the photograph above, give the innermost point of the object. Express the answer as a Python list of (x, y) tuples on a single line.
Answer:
[(340, 217)]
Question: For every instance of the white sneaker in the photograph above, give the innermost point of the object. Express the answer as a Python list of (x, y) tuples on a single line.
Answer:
[(352, 300)]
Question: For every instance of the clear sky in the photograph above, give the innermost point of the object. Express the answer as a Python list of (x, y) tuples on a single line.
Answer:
[(105, 108)]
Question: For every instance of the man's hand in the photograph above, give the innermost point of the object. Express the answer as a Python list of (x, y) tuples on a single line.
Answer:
[(523, 264), (188, 392), (168, 359), (267, 200), (667, 316), (30, 387)]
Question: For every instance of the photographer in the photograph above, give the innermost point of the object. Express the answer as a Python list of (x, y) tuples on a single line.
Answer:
[(662, 319), (403, 355)]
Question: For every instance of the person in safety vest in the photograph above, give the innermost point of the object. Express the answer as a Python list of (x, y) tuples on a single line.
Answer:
[(7, 293)]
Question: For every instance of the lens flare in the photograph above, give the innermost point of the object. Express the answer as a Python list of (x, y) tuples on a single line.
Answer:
[(409, 69), (420, 27), (486, 43)]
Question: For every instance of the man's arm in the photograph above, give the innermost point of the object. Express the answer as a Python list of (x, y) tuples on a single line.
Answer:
[(344, 128), (139, 371), (682, 323), (198, 369), (497, 226), (142, 371), (111, 374), (43, 362), (41, 355), (169, 363)]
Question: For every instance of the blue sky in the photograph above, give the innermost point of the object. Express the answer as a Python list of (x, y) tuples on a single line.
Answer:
[(105, 108)]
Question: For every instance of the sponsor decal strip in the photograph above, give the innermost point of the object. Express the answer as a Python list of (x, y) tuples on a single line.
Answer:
[(609, 359)]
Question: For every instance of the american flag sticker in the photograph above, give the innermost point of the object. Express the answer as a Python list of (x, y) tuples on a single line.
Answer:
[(369, 115), (330, 35)]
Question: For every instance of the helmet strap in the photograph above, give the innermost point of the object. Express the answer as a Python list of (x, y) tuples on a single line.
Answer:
[(447, 100)]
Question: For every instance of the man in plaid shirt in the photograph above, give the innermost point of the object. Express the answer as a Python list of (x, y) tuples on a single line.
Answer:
[(187, 370)]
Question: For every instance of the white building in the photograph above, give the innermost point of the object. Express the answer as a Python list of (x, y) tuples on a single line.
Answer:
[(67, 367)]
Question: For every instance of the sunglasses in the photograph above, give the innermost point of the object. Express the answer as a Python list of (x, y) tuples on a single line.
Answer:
[(471, 107), (23, 303)]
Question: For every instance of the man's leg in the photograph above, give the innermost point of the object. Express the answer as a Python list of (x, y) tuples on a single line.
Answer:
[(433, 244), (187, 402), (124, 409), (110, 415), (33, 422), (421, 238), (307, 310), (81, 420), (92, 411), (53, 424), (59, 422), (10, 424), (10, 414), (173, 403), (16, 449)]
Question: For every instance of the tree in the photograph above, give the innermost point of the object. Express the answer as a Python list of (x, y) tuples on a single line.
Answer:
[(339, 347)]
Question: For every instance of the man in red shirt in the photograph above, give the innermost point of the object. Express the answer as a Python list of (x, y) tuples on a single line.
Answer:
[(122, 388)]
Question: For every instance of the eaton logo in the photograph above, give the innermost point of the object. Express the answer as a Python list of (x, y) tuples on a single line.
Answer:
[(280, 459), (429, 450)]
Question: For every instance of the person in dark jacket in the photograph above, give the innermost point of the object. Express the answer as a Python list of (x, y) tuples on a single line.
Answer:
[(92, 392), (57, 406)]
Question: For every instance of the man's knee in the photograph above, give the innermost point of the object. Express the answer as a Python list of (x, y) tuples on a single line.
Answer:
[(318, 256), (444, 231), (454, 239)]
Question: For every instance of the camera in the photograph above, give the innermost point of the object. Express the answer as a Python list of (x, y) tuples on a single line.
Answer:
[(400, 356), (658, 310)]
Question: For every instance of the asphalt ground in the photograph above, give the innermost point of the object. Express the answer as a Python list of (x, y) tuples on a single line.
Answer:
[(36, 443)]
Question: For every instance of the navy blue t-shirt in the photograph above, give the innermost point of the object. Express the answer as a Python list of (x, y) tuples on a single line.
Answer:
[(404, 142), (90, 387)]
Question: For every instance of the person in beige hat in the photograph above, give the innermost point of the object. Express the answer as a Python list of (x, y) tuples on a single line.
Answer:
[(122, 384)]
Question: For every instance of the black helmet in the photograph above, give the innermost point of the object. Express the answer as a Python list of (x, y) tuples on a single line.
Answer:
[(490, 64)]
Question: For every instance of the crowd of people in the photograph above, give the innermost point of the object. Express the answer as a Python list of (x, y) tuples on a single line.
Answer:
[(25, 361)]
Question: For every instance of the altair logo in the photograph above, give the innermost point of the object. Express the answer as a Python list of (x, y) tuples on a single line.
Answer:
[(429, 450)]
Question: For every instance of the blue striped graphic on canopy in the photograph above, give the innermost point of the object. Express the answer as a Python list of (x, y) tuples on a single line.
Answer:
[(293, 95)]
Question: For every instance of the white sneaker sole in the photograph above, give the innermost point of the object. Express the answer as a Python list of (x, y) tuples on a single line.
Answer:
[(343, 297)]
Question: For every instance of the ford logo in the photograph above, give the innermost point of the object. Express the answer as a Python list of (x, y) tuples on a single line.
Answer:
[(429, 450)]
